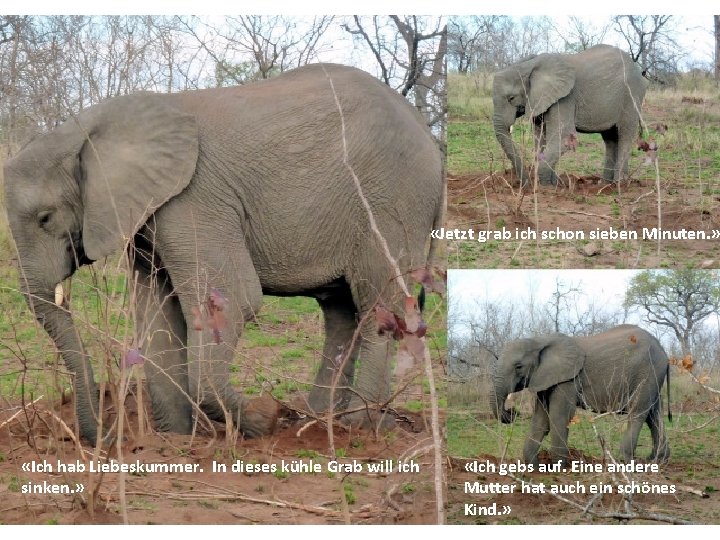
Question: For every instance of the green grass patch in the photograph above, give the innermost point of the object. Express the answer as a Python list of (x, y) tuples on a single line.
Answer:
[(689, 151), (693, 438)]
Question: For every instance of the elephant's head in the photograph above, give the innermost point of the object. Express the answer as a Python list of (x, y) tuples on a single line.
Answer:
[(528, 87), (536, 364), (80, 193)]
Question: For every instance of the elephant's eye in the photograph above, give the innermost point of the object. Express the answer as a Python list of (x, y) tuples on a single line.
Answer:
[(44, 217)]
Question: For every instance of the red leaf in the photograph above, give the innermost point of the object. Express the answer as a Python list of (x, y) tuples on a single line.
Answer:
[(422, 275), (197, 318), (571, 142), (412, 314), (386, 321), (411, 353)]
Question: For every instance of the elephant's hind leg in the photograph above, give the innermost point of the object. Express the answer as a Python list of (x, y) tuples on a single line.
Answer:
[(631, 436), (610, 137), (626, 140), (340, 318), (661, 449)]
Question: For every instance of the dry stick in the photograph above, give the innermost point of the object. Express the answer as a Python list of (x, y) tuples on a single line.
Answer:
[(706, 387), (440, 505), (19, 412), (233, 496), (242, 497), (628, 515), (657, 166), (579, 212), (659, 201)]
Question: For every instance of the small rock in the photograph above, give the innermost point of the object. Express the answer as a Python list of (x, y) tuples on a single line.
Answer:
[(591, 249)]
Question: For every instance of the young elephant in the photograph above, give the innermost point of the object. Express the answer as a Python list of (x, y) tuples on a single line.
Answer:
[(220, 196), (599, 90), (621, 370)]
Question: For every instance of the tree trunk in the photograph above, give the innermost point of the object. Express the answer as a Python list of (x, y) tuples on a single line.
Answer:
[(717, 48)]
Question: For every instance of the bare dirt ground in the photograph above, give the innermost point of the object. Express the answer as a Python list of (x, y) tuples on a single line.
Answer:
[(693, 470), (580, 203), (695, 500), (215, 497)]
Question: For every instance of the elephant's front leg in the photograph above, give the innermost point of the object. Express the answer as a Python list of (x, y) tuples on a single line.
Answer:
[(539, 428), (219, 289), (559, 128), (162, 335), (561, 409)]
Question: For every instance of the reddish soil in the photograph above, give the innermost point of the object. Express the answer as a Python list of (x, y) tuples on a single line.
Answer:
[(215, 497), (490, 201)]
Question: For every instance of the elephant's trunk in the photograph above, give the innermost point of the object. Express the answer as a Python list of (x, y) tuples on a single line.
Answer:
[(497, 404), (502, 133), (59, 325)]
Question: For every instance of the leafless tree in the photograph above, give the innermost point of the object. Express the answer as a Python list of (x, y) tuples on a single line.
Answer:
[(251, 47), (679, 300), (584, 34), (650, 42), (410, 53), (716, 19)]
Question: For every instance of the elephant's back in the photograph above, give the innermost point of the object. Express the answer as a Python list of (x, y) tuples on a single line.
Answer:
[(624, 355), (300, 145)]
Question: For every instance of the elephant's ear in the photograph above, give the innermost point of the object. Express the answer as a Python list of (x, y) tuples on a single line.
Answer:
[(559, 360), (138, 152), (551, 79)]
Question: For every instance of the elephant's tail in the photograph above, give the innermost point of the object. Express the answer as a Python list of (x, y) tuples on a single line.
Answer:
[(438, 221), (667, 381)]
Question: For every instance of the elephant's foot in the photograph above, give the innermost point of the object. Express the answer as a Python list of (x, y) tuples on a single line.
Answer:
[(370, 419), (548, 178), (546, 174), (660, 456), (320, 398), (259, 416)]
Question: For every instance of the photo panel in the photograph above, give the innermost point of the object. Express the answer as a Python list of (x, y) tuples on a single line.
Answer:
[(583, 396), (582, 142), (220, 302)]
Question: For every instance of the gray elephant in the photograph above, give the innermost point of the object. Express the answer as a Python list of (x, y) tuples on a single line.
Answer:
[(621, 370), (599, 90), (220, 196)]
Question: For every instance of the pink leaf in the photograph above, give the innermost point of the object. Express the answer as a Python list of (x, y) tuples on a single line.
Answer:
[(132, 357), (216, 300)]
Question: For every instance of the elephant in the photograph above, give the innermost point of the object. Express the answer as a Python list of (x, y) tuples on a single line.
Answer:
[(598, 90), (621, 370), (320, 182)]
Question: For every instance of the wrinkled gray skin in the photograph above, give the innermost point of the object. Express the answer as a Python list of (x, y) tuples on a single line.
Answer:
[(241, 189), (621, 370), (599, 90)]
